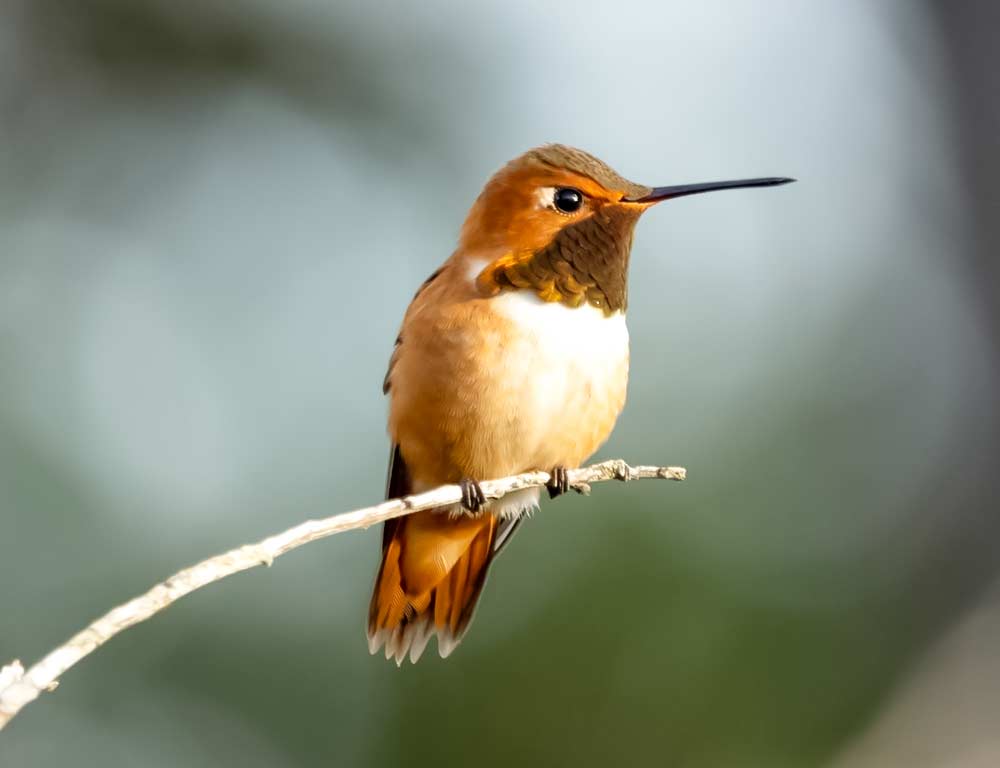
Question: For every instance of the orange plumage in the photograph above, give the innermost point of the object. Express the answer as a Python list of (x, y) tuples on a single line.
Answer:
[(512, 356)]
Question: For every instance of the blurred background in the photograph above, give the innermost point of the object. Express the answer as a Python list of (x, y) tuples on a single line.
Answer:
[(212, 216)]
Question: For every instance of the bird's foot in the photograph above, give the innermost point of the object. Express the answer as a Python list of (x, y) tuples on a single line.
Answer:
[(558, 483), (473, 497)]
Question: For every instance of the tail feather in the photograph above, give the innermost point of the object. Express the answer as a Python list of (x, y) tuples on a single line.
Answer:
[(432, 573), (433, 569)]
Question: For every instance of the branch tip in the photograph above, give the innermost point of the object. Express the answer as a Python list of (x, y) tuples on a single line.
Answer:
[(11, 673)]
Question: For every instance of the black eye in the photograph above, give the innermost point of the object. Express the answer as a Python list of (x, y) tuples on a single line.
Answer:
[(567, 199)]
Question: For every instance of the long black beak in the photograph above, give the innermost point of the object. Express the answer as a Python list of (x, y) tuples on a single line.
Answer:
[(680, 190)]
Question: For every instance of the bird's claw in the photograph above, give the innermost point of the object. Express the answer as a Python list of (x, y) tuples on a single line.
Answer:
[(473, 497), (558, 482)]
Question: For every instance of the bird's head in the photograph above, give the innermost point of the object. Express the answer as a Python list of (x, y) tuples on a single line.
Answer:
[(559, 221)]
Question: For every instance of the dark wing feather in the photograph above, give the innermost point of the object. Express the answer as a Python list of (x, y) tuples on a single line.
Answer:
[(387, 381), (398, 482), (397, 485), (505, 532)]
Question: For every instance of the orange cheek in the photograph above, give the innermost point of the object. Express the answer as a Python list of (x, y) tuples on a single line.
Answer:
[(535, 228)]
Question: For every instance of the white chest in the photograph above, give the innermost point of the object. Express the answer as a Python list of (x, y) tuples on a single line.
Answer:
[(582, 338), (570, 365)]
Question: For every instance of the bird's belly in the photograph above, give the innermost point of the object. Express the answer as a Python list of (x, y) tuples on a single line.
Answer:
[(564, 372), (504, 385)]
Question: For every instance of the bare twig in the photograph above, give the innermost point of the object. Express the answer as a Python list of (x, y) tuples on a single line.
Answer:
[(19, 687)]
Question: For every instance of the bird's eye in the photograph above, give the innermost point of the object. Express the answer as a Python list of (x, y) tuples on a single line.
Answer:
[(567, 199)]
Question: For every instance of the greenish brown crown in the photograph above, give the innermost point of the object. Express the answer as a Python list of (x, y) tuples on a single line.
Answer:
[(576, 160)]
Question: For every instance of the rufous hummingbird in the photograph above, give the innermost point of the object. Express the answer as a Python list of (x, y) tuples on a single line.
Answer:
[(513, 356)]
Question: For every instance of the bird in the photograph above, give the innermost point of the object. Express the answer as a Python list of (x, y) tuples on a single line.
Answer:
[(513, 356)]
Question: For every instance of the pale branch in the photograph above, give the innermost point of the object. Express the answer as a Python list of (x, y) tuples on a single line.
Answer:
[(19, 687)]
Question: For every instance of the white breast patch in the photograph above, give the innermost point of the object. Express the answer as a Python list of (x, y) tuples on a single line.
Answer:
[(569, 366), (581, 336)]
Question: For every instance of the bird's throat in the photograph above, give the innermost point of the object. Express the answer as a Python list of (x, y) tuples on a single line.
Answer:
[(586, 262)]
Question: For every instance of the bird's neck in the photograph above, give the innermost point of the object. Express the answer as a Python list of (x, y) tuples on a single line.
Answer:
[(585, 263)]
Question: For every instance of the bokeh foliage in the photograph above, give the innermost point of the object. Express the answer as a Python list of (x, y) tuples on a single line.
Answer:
[(212, 216)]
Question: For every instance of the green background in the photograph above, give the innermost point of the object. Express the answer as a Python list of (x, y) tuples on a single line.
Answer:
[(212, 216)]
